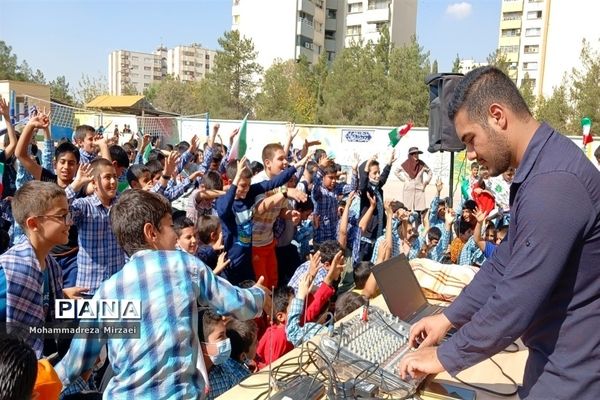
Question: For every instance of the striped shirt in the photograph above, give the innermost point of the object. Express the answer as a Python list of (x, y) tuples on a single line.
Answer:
[(162, 363), (99, 255)]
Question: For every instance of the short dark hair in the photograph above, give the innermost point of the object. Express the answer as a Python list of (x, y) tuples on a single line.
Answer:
[(347, 303), (281, 298), (34, 198), (256, 167), (269, 151), (330, 169), (181, 223), (82, 130), (154, 166), (242, 335), (469, 205), (183, 146), (361, 272), (231, 171), (18, 368), (212, 180), (206, 224), (481, 87), (320, 153), (136, 171), (207, 320), (118, 154), (329, 249), (434, 233), (463, 227), (307, 205), (156, 154), (134, 209), (97, 164), (67, 147)]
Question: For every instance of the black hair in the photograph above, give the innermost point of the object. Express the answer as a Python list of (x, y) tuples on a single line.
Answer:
[(154, 166), (132, 211), (434, 233), (212, 181), (18, 368), (469, 205), (320, 153), (480, 88), (181, 223), (329, 249), (118, 154), (66, 147), (207, 320), (463, 227), (281, 299), (307, 205), (242, 334), (183, 146), (135, 172), (206, 225), (362, 270), (597, 152), (256, 167), (169, 147), (156, 154), (231, 171), (347, 303)]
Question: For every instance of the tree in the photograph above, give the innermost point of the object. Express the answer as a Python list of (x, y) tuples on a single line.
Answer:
[(383, 48), (59, 90), (90, 88), (456, 64), (129, 89), (176, 96), (38, 77), (585, 86), (556, 110), (498, 59), (526, 90), (8, 62), (230, 89), (434, 67)]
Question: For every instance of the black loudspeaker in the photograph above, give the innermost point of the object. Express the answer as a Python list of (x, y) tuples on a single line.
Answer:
[(442, 135)]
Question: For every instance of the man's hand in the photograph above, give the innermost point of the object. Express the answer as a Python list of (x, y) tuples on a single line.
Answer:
[(429, 331), (297, 195), (420, 363)]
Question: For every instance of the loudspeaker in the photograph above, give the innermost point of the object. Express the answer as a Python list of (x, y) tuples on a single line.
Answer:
[(442, 135)]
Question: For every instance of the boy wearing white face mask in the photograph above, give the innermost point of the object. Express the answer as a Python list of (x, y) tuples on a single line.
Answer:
[(223, 373)]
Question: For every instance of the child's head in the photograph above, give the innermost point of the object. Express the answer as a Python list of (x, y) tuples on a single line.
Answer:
[(245, 179), (282, 297), (18, 369), (330, 177), (274, 159), (361, 272), (66, 161), (465, 230), (130, 150), (374, 172), (215, 162), (490, 234), (468, 211), (156, 154), (212, 181), (509, 174), (347, 303), (328, 249), (187, 237), (208, 228), (156, 169), (142, 220), (501, 234), (340, 208), (434, 234), (138, 176), (41, 209), (441, 212), (104, 179), (212, 332), (305, 208), (484, 171), (119, 158), (256, 167), (474, 169), (84, 137), (244, 338)]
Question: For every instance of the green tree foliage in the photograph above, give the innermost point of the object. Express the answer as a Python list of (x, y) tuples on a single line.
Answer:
[(59, 90), (585, 86), (456, 64), (230, 89), (10, 68), (434, 67), (556, 110), (526, 90), (498, 59), (176, 96), (90, 88), (129, 89)]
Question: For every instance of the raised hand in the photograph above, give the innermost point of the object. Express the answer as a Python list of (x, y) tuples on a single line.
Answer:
[(84, 174), (372, 200), (267, 303), (450, 216), (304, 286), (297, 195), (291, 130), (222, 263), (194, 144), (393, 157), (4, 108), (314, 263), (480, 216), (39, 121), (171, 163), (336, 268)]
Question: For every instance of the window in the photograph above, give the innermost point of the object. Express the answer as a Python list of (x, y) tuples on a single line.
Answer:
[(331, 13), (147, 68), (511, 16), (380, 25), (330, 35), (509, 49), (207, 57), (354, 8), (304, 42), (134, 58), (236, 19), (135, 67), (353, 30), (530, 65), (533, 31), (305, 18), (147, 76), (378, 4), (534, 15), (135, 75), (188, 53), (532, 49), (511, 32)]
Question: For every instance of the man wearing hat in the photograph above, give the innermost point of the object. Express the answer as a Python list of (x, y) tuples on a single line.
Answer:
[(412, 172)]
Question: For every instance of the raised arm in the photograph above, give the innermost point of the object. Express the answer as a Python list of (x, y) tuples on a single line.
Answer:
[(38, 122), (480, 216), (343, 232), (12, 144)]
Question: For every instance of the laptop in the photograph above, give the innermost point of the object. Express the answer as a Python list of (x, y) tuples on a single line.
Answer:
[(401, 290)]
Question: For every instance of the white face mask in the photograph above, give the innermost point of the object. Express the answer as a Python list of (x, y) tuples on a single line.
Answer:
[(223, 351)]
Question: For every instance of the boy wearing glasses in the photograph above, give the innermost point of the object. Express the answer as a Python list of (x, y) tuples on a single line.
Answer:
[(30, 278)]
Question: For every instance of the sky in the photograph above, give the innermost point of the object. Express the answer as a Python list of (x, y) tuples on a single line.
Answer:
[(75, 37)]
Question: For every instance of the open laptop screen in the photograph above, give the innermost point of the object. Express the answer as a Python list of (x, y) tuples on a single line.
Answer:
[(400, 288)]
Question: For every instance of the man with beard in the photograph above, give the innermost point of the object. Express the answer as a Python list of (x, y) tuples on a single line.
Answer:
[(543, 282)]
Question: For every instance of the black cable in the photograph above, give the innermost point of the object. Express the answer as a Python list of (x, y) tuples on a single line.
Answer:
[(515, 384)]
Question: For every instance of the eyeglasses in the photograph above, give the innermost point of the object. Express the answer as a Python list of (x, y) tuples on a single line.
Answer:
[(66, 219)]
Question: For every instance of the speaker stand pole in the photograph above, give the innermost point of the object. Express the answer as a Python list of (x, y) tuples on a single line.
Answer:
[(451, 181)]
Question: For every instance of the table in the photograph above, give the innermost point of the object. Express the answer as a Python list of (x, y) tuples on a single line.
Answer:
[(484, 374)]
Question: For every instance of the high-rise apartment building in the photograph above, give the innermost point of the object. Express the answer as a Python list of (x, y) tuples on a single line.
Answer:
[(310, 27), (137, 71), (542, 38)]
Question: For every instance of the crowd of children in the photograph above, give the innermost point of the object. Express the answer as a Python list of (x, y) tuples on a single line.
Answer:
[(95, 218)]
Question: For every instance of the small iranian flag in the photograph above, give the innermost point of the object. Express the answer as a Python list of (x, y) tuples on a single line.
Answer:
[(238, 150), (146, 153), (586, 125), (396, 134)]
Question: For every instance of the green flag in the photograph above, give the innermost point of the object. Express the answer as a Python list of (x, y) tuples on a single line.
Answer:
[(240, 146), (146, 153)]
